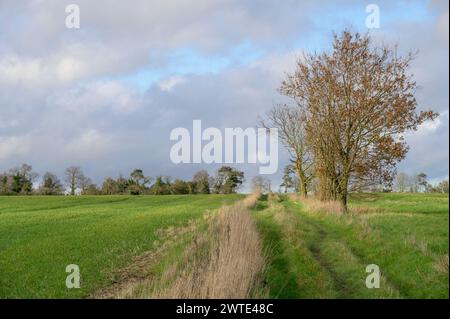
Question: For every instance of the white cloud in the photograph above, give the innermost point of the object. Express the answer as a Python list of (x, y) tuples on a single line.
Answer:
[(90, 145), (97, 95), (14, 71), (442, 26), (432, 126), (65, 85), (13, 146), (169, 83), (62, 67)]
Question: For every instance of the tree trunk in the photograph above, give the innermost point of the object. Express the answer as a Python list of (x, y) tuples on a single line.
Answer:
[(343, 195), (343, 201), (304, 190), (302, 178), (72, 187)]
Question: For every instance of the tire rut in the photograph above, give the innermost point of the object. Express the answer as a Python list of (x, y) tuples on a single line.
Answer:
[(341, 286), (339, 283)]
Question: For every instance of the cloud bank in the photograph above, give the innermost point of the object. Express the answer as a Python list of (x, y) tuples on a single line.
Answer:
[(107, 95)]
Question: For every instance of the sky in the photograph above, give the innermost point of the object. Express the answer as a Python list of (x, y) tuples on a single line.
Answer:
[(106, 96)]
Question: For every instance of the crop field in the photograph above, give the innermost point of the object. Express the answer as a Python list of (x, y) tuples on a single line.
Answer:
[(309, 250), (40, 236)]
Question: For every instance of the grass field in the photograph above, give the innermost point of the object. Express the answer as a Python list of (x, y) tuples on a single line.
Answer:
[(323, 255), (40, 236), (309, 254)]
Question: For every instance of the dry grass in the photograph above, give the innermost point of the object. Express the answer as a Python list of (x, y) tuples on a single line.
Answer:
[(442, 264), (226, 262), (315, 205), (356, 214), (420, 245), (273, 197)]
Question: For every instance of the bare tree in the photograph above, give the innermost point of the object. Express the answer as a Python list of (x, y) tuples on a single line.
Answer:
[(263, 184), (357, 101), (73, 178), (201, 182), (421, 182), (402, 182), (50, 185), (84, 183), (291, 130)]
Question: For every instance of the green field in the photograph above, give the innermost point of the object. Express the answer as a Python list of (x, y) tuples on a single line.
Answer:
[(40, 236), (308, 255), (320, 255)]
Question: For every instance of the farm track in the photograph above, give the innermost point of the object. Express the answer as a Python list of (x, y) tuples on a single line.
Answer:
[(342, 286), (316, 250), (311, 242)]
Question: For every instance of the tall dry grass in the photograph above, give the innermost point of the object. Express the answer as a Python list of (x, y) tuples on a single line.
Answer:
[(273, 197), (225, 262), (355, 215), (442, 264), (315, 205)]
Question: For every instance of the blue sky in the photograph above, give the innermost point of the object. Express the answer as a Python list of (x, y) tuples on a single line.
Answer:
[(190, 60), (107, 95)]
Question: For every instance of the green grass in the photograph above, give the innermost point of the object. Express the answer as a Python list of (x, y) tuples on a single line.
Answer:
[(310, 255), (40, 236), (318, 255)]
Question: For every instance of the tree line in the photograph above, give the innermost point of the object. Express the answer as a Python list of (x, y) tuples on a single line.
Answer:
[(418, 183), (350, 110), (402, 183), (22, 180)]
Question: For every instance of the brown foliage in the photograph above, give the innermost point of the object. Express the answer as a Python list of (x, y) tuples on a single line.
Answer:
[(357, 102)]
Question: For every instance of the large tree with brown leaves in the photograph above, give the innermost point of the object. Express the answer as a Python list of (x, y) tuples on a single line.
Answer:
[(357, 102)]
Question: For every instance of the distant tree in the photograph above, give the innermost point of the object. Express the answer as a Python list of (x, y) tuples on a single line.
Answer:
[(287, 180), (135, 189), (50, 185), (122, 185), (263, 184), (92, 189), (179, 187), (5, 184), (201, 181), (422, 182), (443, 187), (161, 186), (291, 131), (84, 183), (167, 180), (134, 183), (227, 180), (192, 187), (137, 177), (402, 182), (109, 187), (73, 178), (22, 179)]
